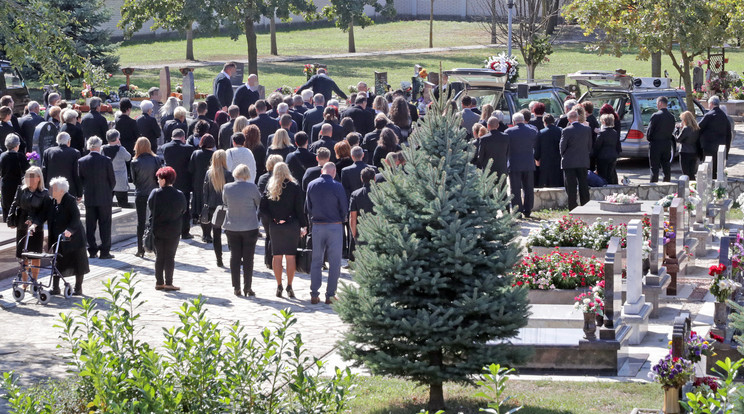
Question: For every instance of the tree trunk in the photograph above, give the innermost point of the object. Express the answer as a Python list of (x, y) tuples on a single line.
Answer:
[(531, 67), (190, 42), (272, 28), (553, 20), (687, 81), (656, 64), (250, 38), (352, 46), (431, 24), (494, 23), (436, 393)]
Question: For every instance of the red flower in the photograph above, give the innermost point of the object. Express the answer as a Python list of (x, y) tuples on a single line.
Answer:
[(715, 337)]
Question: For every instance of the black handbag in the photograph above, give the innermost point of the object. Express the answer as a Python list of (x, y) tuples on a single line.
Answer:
[(148, 237), (304, 258), (12, 219), (204, 217), (219, 215), (268, 257)]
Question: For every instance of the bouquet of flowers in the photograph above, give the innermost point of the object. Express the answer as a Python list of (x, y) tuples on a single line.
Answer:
[(505, 65), (133, 92), (310, 69), (590, 302), (705, 385), (697, 346), (722, 286), (558, 270), (719, 193), (669, 233), (618, 198), (33, 157), (285, 90), (646, 249), (671, 371)]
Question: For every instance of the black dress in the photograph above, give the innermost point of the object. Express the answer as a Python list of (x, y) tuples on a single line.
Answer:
[(13, 166), (198, 166), (285, 237), (73, 258), (32, 206), (259, 154)]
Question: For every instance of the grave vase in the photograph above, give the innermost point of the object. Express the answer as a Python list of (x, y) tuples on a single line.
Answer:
[(671, 400), (600, 320), (720, 314), (590, 327)]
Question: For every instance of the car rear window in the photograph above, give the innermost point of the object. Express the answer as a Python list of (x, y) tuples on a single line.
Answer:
[(552, 105), (620, 101), (647, 104), (12, 80)]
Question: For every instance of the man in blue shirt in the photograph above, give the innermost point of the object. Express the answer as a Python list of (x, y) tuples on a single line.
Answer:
[(328, 208)]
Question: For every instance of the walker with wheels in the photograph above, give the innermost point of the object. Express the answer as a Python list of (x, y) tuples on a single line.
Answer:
[(38, 289)]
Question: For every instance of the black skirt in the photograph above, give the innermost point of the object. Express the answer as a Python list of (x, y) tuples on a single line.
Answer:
[(284, 238), (35, 242), (73, 262)]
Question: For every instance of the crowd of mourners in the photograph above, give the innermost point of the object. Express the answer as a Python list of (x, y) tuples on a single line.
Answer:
[(295, 166)]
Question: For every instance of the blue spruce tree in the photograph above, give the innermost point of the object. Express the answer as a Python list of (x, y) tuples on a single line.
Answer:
[(434, 301)]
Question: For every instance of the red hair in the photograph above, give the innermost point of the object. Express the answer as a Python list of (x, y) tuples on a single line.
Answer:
[(168, 174)]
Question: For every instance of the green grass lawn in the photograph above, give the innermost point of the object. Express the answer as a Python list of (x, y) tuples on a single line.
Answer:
[(379, 395)]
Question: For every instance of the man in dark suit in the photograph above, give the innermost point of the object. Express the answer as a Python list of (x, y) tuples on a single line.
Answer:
[(660, 135), (226, 130), (266, 124), (94, 124), (29, 122), (325, 141), (548, 154), (522, 139), (576, 145), (567, 107), (364, 121), (493, 146), (201, 114), (323, 85), (301, 159), (715, 130), (363, 88), (223, 86), (351, 176), (283, 109), (177, 155), (322, 157), (298, 106), (148, 125), (315, 115), (247, 95), (127, 127), (62, 161), (96, 172), (70, 126), (7, 100)]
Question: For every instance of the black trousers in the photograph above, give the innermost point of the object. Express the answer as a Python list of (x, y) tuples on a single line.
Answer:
[(186, 225), (242, 249), (122, 199), (216, 238), (140, 204), (659, 157), (606, 169), (99, 216), (688, 161), (7, 192), (165, 259), (574, 177), (518, 181)]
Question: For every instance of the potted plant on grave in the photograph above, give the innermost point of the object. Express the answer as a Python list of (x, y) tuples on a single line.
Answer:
[(620, 203), (592, 306), (672, 373), (556, 277), (722, 288), (698, 348)]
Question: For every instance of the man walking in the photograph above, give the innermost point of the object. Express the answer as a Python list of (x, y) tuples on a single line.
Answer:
[(96, 173), (328, 208), (522, 139), (576, 145), (715, 130), (660, 135), (223, 86), (177, 155), (494, 146)]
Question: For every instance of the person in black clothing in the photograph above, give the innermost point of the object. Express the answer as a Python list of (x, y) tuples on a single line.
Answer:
[(94, 124), (387, 143), (253, 143), (226, 129), (281, 144), (660, 135), (7, 100), (144, 166), (178, 122), (127, 127), (351, 176), (606, 149), (214, 182), (689, 137), (198, 166), (64, 218), (330, 116), (201, 110), (325, 141), (359, 203), (266, 124), (247, 95), (369, 142), (363, 119), (343, 157), (148, 126), (177, 155), (33, 207), (77, 140), (29, 122), (301, 159), (13, 165), (6, 127), (167, 111), (313, 116), (167, 206), (62, 161), (223, 89), (322, 157), (548, 154), (263, 180), (201, 128), (715, 130), (594, 125), (286, 123), (568, 105), (96, 173), (282, 205), (412, 110), (298, 106), (493, 146), (323, 85)]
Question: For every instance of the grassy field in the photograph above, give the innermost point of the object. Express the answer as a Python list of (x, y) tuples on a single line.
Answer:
[(378, 395)]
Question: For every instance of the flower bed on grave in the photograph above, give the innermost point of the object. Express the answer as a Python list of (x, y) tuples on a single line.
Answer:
[(557, 277)]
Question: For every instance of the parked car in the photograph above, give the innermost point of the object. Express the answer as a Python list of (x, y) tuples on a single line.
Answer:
[(11, 83), (487, 86), (634, 100)]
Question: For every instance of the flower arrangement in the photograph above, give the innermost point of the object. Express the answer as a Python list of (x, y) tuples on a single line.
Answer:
[(503, 64), (619, 198), (572, 232), (719, 193), (423, 74), (590, 302), (310, 69), (737, 92), (33, 157), (558, 270), (722, 286), (285, 90), (133, 92), (672, 371), (353, 89), (86, 92), (646, 249), (705, 385), (697, 346), (669, 233)]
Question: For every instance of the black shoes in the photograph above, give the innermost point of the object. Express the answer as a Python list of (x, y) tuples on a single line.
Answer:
[(237, 292), (279, 291), (107, 256), (219, 262), (187, 236), (290, 292), (141, 255), (249, 292), (55, 291)]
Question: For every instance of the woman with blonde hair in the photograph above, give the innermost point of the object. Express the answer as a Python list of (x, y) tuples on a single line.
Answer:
[(689, 137), (280, 145), (486, 112), (282, 206), (380, 105), (145, 165), (214, 182), (33, 202), (167, 111), (240, 123)]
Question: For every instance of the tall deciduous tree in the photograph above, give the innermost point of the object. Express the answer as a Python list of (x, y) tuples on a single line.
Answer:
[(435, 300), (184, 16), (282, 9), (681, 29), (350, 13)]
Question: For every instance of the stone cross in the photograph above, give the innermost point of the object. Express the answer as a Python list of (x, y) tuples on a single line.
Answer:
[(189, 91), (634, 263), (720, 174), (613, 290), (670, 249), (708, 162), (380, 83), (680, 334), (165, 84), (683, 185), (657, 218), (702, 189)]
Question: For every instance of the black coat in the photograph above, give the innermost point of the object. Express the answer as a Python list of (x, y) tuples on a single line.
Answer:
[(338, 131), (13, 166), (715, 130), (369, 143), (128, 131), (149, 128), (171, 126), (28, 125), (660, 132), (198, 166), (351, 177), (323, 85), (143, 171), (259, 154), (311, 118), (493, 146), (177, 155), (289, 207), (77, 139), (548, 152), (267, 125), (690, 140), (607, 146), (224, 140), (299, 161), (284, 152), (223, 89), (94, 124), (210, 195), (96, 173), (576, 146), (214, 129), (62, 161), (167, 206), (310, 174), (66, 216), (244, 98), (364, 121), (5, 130), (325, 142)]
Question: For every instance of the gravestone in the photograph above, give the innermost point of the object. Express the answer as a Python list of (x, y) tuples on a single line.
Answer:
[(708, 162), (656, 254), (45, 136), (697, 78), (237, 78), (680, 334), (433, 78), (702, 189), (657, 279), (613, 291), (381, 83), (165, 84), (189, 91), (636, 310), (683, 185), (670, 249), (723, 252), (721, 167)]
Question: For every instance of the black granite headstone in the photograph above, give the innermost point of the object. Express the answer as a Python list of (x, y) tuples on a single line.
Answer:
[(45, 136)]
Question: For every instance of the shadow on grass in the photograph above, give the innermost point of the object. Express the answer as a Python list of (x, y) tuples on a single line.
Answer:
[(458, 405)]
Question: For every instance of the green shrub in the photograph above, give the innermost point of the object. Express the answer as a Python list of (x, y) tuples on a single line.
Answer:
[(202, 369)]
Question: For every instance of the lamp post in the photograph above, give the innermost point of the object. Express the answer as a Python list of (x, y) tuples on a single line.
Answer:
[(510, 4)]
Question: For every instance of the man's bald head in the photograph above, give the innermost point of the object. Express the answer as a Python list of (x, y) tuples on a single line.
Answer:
[(493, 123), (329, 168), (326, 130), (253, 79)]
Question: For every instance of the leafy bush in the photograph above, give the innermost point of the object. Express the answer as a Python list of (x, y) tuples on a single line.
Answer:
[(202, 368), (558, 270), (721, 396)]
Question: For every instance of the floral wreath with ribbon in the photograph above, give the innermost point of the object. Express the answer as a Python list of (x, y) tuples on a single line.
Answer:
[(503, 64)]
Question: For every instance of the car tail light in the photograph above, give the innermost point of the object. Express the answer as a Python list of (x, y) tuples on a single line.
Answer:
[(634, 134)]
